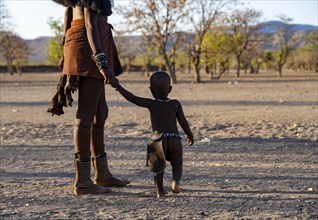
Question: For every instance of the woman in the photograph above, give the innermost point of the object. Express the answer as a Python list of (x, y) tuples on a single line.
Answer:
[(90, 60)]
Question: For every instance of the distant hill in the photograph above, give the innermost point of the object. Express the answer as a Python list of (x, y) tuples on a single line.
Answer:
[(129, 44), (38, 49), (273, 26)]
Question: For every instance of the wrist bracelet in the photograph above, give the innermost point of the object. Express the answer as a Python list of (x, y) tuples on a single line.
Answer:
[(100, 60)]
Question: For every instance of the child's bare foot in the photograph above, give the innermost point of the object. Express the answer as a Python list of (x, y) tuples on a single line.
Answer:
[(160, 195), (175, 187)]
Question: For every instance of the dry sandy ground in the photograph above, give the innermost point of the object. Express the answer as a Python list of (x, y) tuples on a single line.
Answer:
[(255, 155)]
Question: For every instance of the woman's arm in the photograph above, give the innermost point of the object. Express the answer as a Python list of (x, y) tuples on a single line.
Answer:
[(90, 17), (68, 17), (98, 54)]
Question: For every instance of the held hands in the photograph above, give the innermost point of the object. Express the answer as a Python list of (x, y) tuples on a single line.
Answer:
[(109, 76), (190, 141), (115, 84)]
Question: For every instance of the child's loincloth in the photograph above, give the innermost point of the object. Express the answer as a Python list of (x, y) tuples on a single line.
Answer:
[(156, 151)]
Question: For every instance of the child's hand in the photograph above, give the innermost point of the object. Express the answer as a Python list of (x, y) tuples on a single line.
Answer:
[(109, 76), (115, 83), (190, 141)]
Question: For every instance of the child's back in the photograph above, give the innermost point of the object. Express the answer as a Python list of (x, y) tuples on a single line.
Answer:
[(164, 114)]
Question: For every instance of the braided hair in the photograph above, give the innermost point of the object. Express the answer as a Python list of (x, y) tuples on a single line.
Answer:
[(101, 6)]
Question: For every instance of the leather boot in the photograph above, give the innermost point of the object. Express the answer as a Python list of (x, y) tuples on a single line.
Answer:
[(158, 179), (83, 183), (102, 175)]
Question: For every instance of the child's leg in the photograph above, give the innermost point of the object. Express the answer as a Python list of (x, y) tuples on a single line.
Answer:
[(175, 155), (158, 180), (176, 176)]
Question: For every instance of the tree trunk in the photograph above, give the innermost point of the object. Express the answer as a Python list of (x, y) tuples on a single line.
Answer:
[(171, 72), (197, 78), (197, 67), (258, 67), (127, 68), (147, 70), (10, 66), (280, 70), (18, 68), (238, 68), (252, 69)]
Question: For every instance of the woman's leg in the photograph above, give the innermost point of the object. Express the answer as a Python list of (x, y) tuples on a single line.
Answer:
[(102, 175), (89, 94), (97, 130)]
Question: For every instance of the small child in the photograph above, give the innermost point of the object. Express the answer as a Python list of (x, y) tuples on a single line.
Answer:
[(166, 141)]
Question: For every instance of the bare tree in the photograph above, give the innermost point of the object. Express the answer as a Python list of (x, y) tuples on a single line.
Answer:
[(14, 51), (129, 48), (158, 20), (286, 43), (253, 56), (4, 26), (244, 24), (148, 55), (202, 14)]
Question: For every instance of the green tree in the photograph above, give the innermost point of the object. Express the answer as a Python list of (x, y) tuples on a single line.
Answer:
[(202, 15), (217, 46), (286, 42), (55, 48), (244, 25), (312, 46)]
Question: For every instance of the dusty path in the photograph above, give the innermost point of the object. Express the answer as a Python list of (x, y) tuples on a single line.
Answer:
[(255, 155)]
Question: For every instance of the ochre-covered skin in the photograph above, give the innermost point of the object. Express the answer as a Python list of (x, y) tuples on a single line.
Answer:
[(78, 54), (88, 43), (100, 6), (164, 115)]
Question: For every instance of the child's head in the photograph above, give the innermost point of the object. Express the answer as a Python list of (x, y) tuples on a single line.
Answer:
[(160, 84)]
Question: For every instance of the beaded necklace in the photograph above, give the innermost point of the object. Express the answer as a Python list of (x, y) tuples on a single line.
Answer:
[(163, 100)]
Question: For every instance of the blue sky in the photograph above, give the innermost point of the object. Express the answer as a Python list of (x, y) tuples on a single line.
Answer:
[(30, 16)]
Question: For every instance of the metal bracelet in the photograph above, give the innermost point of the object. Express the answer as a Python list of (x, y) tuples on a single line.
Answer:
[(101, 60)]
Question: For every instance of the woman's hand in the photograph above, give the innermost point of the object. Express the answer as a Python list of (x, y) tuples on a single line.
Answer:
[(71, 84), (109, 76)]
